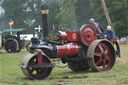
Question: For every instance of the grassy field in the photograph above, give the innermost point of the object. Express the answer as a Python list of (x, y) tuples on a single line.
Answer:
[(10, 73)]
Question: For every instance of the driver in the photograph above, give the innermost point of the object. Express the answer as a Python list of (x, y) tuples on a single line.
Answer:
[(97, 27)]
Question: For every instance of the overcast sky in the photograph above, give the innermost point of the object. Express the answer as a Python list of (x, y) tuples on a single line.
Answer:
[(1, 10)]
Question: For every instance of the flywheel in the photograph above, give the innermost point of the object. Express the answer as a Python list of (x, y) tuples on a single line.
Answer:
[(87, 34)]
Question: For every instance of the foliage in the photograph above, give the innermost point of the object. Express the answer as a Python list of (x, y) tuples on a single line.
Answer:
[(118, 13), (26, 13), (14, 11), (83, 12), (98, 12), (54, 9), (69, 14), (66, 17), (33, 14)]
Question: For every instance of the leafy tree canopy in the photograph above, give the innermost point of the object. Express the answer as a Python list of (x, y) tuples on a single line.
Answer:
[(69, 14)]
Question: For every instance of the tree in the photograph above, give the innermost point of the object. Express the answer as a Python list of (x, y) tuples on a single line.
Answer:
[(83, 12), (98, 12), (106, 12), (70, 14), (15, 12), (118, 13), (33, 14), (27, 13), (66, 17), (54, 9)]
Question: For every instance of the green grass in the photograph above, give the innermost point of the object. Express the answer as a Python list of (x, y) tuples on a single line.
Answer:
[(10, 73)]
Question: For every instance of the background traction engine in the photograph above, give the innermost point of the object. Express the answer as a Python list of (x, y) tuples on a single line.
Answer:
[(81, 50)]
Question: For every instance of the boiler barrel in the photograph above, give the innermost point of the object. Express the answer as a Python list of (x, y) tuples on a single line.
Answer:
[(68, 49)]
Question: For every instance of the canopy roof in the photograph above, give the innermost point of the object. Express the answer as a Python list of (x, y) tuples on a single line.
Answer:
[(12, 30)]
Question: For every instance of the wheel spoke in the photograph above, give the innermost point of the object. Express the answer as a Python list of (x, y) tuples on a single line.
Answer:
[(106, 51), (103, 57), (99, 61), (101, 48), (97, 54), (104, 64), (108, 58), (38, 71), (32, 63), (31, 70)]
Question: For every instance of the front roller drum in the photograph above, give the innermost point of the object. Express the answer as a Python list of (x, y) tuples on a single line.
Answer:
[(101, 55), (33, 70)]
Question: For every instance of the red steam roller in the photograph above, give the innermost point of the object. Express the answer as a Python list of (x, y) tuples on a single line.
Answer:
[(81, 50)]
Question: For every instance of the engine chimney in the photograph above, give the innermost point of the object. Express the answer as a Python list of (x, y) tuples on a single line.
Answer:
[(44, 11)]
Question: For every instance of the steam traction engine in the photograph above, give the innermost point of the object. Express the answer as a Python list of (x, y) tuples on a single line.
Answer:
[(81, 50)]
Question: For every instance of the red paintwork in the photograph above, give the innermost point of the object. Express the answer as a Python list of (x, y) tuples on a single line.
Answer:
[(64, 35), (39, 56), (70, 36), (68, 49), (34, 72), (73, 36), (88, 35), (100, 49)]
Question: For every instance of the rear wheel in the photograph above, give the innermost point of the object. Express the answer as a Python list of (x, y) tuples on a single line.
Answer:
[(101, 55), (117, 48)]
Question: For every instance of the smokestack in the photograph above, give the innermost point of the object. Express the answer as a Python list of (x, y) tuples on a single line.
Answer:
[(33, 32), (44, 11)]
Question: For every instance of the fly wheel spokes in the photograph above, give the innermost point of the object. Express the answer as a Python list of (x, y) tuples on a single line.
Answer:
[(101, 55)]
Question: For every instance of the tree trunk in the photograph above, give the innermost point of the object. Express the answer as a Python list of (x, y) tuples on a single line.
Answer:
[(106, 12)]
